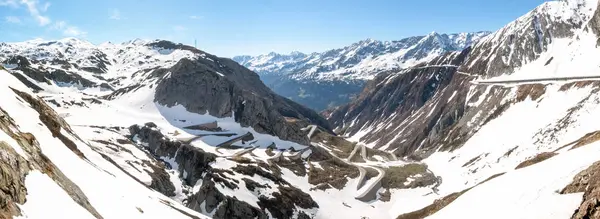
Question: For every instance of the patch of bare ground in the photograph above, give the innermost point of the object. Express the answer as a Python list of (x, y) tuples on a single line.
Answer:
[(578, 84), (534, 91), (587, 139), (296, 166), (588, 182), (385, 195), (338, 145), (471, 161), (433, 208), (334, 173), (372, 152), (269, 151), (439, 204), (491, 177), (538, 158), (398, 177)]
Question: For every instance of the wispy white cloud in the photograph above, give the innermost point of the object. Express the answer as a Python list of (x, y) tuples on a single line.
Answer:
[(11, 3), (115, 14), (34, 11), (179, 28), (12, 19), (68, 30), (74, 32), (195, 17)]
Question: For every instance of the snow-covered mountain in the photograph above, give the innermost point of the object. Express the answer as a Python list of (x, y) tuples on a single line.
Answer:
[(507, 124), (361, 60), (506, 128), (330, 78), (187, 133)]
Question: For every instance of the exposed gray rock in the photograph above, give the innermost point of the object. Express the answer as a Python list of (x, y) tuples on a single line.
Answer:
[(393, 98), (36, 159), (196, 163), (224, 88)]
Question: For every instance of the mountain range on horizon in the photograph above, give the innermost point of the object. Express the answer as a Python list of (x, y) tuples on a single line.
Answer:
[(334, 77)]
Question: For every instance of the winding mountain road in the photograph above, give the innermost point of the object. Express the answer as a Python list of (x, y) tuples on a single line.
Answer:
[(361, 189)]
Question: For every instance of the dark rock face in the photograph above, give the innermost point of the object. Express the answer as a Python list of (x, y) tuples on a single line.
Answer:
[(231, 207), (282, 205), (46, 75), (190, 159), (197, 164), (393, 98), (161, 181), (199, 87), (13, 169), (20, 61)]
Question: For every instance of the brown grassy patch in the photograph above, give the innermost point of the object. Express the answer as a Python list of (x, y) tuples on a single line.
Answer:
[(538, 158), (578, 84), (534, 91), (335, 173), (587, 139), (395, 177), (491, 177), (433, 208), (340, 146)]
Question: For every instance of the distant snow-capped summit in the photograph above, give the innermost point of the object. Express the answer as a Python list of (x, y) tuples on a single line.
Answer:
[(361, 60)]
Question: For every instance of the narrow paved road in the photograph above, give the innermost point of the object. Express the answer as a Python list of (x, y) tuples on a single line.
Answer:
[(365, 190), (536, 80), (437, 66)]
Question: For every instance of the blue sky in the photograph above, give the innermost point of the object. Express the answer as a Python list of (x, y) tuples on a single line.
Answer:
[(228, 27)]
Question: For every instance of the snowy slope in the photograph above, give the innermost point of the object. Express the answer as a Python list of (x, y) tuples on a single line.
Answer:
[(110, 191)]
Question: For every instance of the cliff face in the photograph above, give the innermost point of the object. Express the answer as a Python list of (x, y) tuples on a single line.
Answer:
[(223, 88)]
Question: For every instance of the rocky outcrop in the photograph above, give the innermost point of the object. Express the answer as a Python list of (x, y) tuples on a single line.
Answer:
[(36, 160), (386, 107), (161, 180), (588, 182), (196, 163), (224, 88), (190, 159), (44, 75), (283, 203), (13, 169), (223, 206)]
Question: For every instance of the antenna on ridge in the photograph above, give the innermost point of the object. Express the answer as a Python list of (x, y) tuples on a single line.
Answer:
[(195, 44)]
